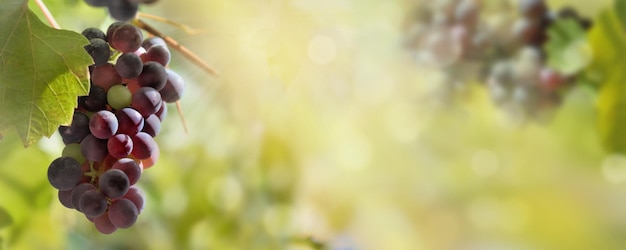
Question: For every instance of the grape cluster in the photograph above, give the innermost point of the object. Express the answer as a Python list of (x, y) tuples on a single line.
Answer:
[(111, 138), (122, 10), (503, 48)]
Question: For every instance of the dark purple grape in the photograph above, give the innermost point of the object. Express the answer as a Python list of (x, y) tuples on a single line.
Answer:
[(147, 101), (103, 124), (94, 149), (130, 167), (112, 28), (123, 213), (105, 76), (123, 10), (91, 33), (159, 54), (92, 203), (78, 191), (103, 224), (152, 125), (130, 121), (64, 173), (78, 129), (114, 183), (135, 195), (126, 38), (129, 65), (152, 41), (99, 51), (95, 101), (65, 197), (152, 75), (143, 146), (120, 145), (162, 113), (174, 87)]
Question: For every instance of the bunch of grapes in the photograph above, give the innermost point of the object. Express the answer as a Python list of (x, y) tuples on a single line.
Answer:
[(122, 10), (111, 138), (503, 49)]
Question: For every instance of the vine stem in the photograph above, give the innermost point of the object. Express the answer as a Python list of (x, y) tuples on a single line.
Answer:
[(185, 28), (47, 14), (173, 43)]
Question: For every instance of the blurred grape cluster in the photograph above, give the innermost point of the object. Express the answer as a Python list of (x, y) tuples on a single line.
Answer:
[(499, 43)]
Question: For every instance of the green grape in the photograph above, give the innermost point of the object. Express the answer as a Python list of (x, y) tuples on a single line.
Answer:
[(119, 97), (73, 150)]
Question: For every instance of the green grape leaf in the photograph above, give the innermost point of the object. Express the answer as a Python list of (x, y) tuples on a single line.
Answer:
[(42, 72), (567, 48), (608, 44)]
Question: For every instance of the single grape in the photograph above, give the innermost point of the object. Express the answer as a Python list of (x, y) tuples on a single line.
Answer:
[(64, 173), (119, 97), (129, 65), (92, 203), (73, 150), (103, 224), (78, 129), (123, 10), (159, 54), (154, 157), (91, 33), (120, 145), (105, 76), (174, 87), (95, 101), (135, 195), (65, 197), (114, 183), (152, 41), (123, 213), (130, 121), (162, 113), (551, 80), (143, 146), (147, 101), (78, 191), (112, 28), (126, 38), (103, 124), (152, 75), (99, 51), (130, 167), (94, 149), (152, 125)]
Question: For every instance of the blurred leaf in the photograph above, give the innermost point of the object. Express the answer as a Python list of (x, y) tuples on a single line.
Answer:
[(43, 71), (607, 41), (567, 49), (5, 218), (620, 8)]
